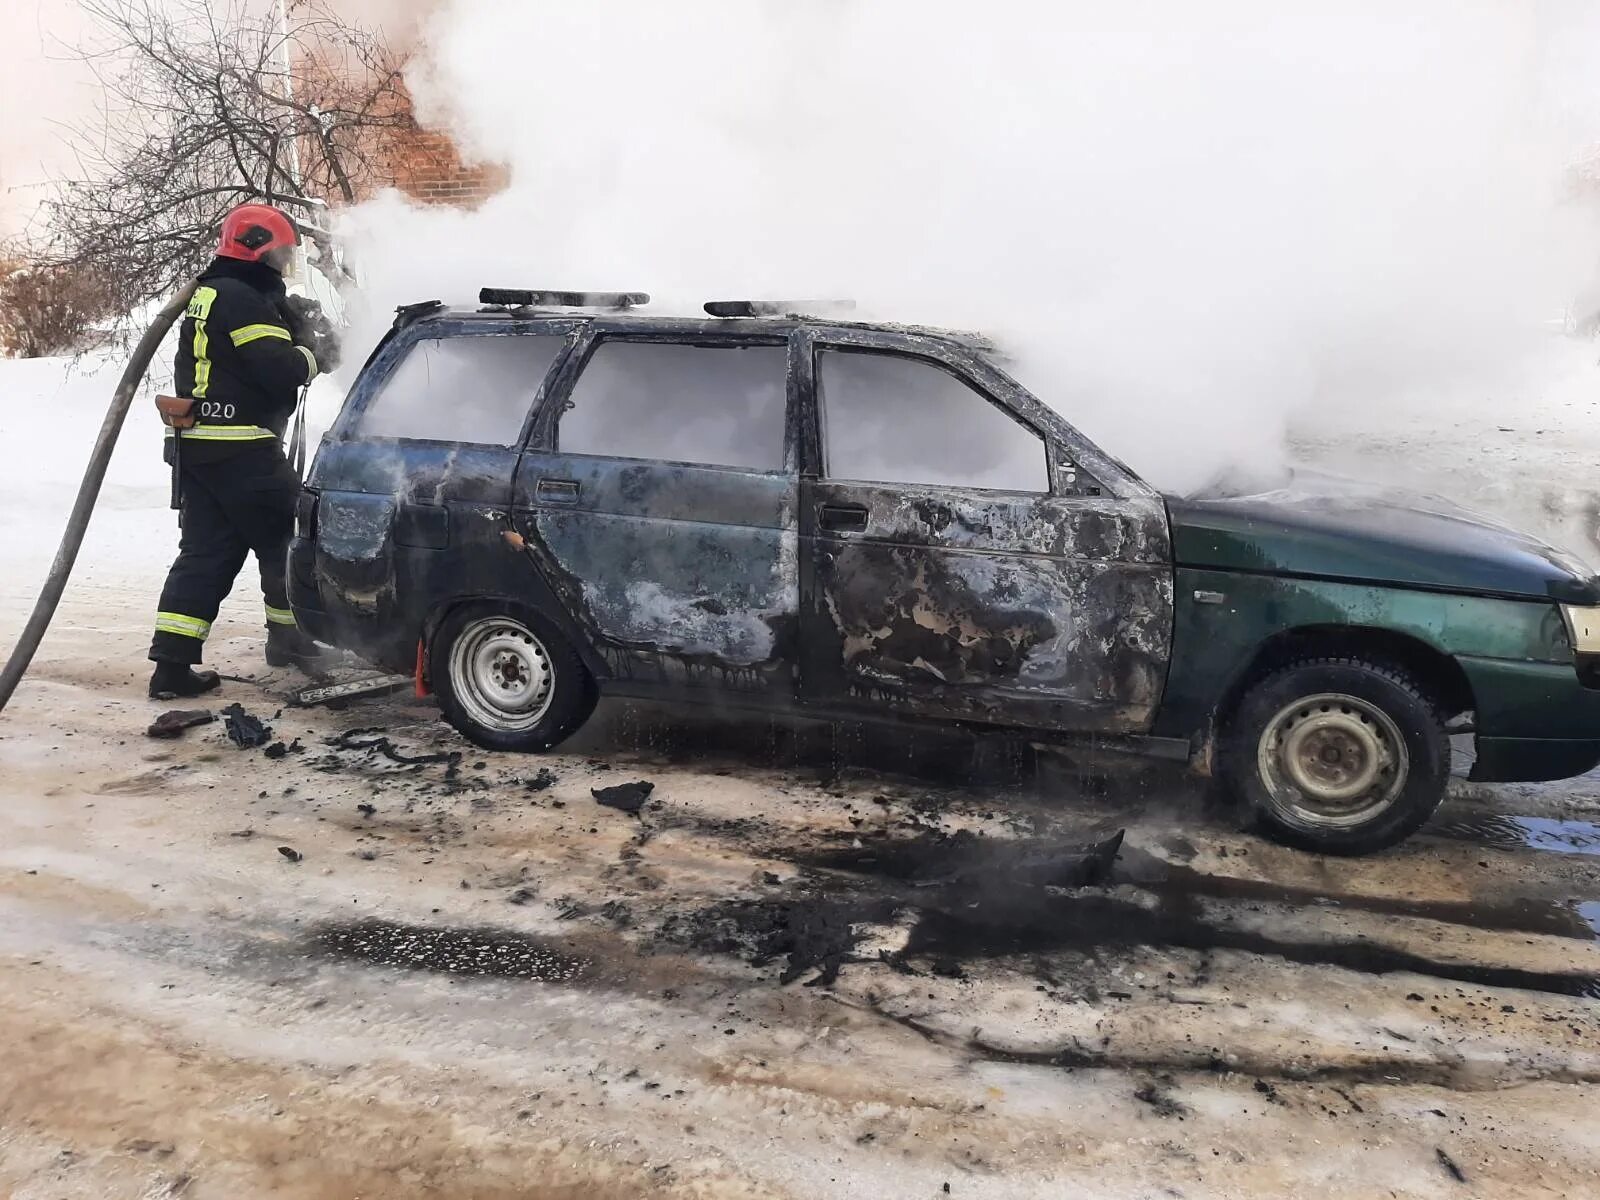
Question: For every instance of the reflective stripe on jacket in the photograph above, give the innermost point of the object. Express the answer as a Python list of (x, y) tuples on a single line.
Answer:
[(237, 357)]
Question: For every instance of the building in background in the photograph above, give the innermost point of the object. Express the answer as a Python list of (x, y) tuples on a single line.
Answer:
[(425, 165)]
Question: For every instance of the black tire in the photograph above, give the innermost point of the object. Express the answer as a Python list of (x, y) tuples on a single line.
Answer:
[(1311, 731), (486, 662)]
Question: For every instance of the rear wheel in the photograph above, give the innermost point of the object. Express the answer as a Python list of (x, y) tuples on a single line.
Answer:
[(507, 679), (1340, 756)]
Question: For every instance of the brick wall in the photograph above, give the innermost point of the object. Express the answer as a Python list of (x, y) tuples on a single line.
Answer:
[(422, 163), (427, 167)]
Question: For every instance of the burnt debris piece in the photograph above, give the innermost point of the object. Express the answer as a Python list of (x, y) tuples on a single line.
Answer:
[(977, 881), (173, 722), (245, 730), (1451, 1168), (290, 853), (334, 694), (1157, 1094), (358, 739), (625, 797), (282, 750), (808, 933)]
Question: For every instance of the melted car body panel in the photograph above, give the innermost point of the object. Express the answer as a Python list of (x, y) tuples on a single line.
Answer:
[(675, 572), (354, 556), (1030, 610), (405, 515)]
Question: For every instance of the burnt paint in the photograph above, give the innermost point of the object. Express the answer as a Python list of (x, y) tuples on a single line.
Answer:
[(676, 573), (405, 528), (1051, 611), (1033, 610)]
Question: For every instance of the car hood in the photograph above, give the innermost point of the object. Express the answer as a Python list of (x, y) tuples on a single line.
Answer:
[(1325, 527)]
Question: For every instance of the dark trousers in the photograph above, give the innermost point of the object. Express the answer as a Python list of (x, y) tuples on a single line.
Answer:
[(230, 507)]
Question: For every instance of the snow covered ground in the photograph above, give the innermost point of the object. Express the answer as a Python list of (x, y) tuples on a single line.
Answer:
[(476, 981)]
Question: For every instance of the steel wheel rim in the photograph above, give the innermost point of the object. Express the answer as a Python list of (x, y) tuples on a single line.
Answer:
[(1332, 760), (502, 674)]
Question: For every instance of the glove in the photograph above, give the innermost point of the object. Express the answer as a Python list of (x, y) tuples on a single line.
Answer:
[(324, 347), (312, 329)]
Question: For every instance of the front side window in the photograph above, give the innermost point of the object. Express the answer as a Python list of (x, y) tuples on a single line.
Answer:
[(717, 405), (890, 418), (463, 389)]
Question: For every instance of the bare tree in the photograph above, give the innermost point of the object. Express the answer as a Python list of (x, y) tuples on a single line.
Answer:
[(208, 104)]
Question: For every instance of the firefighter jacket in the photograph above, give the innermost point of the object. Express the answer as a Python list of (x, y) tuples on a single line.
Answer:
[(238, 360)]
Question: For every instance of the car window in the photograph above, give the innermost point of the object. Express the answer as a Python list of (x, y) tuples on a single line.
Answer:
[(463, 389), (719, 405), (888, 418)]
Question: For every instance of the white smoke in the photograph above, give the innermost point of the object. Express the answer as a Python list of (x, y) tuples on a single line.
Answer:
[(1190, 222)]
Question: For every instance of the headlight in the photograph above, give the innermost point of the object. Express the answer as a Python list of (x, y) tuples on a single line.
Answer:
[(1583, 627)]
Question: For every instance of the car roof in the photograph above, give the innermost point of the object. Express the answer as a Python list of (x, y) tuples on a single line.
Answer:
[(754, 327)]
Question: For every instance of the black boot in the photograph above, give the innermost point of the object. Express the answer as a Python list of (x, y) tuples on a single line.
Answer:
[(174, 679), (288, 647)]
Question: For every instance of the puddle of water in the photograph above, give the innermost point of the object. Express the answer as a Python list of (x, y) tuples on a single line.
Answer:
[(1513, 832), (1589, 911), (1564, 837), (449, 950)]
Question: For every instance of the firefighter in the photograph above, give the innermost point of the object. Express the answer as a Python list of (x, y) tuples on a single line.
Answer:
[(244, 353)]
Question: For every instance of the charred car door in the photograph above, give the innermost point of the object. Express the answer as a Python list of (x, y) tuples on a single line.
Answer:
[(412, 484), (658, 501), (965, 553)]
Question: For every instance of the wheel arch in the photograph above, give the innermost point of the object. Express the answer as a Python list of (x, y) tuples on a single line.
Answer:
[(1435, 670), (440, 611)]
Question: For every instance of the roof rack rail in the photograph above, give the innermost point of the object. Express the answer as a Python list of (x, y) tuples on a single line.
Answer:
[(404, 314), (532, 298), (777, 308)]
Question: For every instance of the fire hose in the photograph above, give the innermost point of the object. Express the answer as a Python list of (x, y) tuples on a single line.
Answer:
[(88, 492)]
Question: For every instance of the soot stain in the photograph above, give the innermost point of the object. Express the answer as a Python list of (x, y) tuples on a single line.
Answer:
[(451, 950), (966, 859), (970, 903), (1091, 923), (809, 933), (1508, 913)]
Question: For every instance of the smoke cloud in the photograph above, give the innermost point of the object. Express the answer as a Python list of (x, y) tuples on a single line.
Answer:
[(1190, 224)]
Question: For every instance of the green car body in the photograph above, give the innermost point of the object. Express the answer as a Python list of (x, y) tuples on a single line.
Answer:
[(1471, 606)]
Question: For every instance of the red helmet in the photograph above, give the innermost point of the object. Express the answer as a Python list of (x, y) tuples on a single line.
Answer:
[(251, 230)]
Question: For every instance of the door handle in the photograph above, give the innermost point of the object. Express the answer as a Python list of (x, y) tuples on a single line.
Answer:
[(556, 491), (844, 518)]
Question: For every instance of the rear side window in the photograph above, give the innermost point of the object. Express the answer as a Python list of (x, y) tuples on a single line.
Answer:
[(716, 405), (463, 389), (888, 418)]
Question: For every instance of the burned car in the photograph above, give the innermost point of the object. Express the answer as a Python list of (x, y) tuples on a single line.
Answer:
[(555, 497)]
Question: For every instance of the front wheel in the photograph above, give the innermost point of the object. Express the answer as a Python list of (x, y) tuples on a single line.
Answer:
[(1339, 756), (507, 679)]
